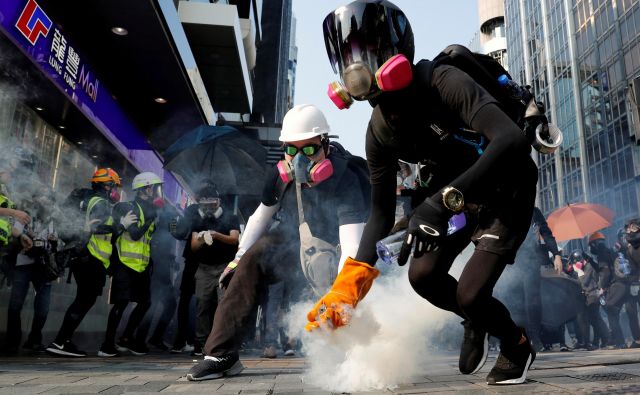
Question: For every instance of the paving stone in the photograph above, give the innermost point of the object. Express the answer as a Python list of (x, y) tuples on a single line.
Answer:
[(79, 389)]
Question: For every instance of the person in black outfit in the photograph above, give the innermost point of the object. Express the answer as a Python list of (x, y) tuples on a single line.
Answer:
[(182, 228), (131, 279), (524, 277), (584, 270), (424, 119), (89, 268), (163, 298), (214, 243), (628, 267), (612, 284), (269, 252)]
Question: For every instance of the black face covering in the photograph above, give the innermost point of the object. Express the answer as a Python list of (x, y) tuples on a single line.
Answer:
[(633, 239), (596, 247)]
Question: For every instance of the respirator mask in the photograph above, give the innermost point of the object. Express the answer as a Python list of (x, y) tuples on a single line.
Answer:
[(370, 46), (209, 206), (302, 169)]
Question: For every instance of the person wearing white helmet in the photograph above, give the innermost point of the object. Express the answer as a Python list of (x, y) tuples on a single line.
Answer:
[(131, 279), (334, 208)]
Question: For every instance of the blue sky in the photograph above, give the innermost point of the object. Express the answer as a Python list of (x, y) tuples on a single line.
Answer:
[(435, 24)]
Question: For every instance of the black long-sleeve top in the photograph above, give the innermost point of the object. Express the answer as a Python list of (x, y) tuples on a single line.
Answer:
[(136, 232), (401, 127)]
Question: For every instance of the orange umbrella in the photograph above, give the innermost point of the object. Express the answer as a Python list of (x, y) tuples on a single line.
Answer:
[(578, 220)]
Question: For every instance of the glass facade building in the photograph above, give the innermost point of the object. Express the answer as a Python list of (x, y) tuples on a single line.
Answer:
[(580, 57)]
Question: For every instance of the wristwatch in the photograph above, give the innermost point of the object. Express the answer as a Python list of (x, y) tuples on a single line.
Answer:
[(453, 199)]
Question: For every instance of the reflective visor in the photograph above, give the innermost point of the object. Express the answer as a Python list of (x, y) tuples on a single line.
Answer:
[(363, 32)]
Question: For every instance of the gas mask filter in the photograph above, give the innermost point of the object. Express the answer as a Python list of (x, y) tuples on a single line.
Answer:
[(361, 84), (305, 171)]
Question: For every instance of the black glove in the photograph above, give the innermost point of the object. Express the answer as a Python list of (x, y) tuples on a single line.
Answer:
[(427, 226)]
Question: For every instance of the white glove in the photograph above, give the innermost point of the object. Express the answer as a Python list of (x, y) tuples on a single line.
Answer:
[(128, 219), (206, 237)]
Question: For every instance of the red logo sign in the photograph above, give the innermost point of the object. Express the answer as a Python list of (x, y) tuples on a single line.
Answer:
[(33, 22)]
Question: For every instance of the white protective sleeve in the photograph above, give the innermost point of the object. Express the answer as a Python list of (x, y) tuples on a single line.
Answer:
[(256, 226), (349, 241)]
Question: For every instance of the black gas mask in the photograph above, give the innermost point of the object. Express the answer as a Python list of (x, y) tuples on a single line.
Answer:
[(597, 246), (632, 235), (209, 206)]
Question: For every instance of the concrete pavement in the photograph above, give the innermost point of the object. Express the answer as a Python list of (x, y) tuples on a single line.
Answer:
[(603, 371)]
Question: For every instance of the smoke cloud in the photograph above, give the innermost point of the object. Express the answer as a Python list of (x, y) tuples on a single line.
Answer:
[(393, 334)]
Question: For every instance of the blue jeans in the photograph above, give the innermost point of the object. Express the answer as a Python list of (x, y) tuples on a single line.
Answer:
[(22, 276)]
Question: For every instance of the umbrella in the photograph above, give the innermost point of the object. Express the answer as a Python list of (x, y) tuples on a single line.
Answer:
[(579, 220), (222, 154), (561, 299)]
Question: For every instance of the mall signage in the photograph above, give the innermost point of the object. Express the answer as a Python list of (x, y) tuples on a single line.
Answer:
[(26, 23)]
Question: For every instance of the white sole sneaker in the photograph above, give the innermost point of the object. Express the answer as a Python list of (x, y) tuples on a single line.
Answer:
[(485, 354), (59, 350), (232, 371), (520, 379)]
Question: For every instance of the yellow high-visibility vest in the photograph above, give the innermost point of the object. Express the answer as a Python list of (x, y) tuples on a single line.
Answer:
[(5, 222), (136, 253), (99, 245)]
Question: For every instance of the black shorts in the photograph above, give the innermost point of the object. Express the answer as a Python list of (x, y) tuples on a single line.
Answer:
[(128, 285), (501, 228), (90, 275)]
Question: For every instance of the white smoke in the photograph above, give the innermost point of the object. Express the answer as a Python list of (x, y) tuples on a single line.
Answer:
[(388, 342)]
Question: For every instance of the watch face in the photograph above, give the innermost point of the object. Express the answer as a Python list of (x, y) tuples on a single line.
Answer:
[(454, 200)]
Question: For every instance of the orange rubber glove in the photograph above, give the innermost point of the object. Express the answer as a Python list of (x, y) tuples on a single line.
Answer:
[(349, 288)]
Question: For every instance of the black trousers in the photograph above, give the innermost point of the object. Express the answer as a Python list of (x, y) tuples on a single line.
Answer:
[(90, 275), (472, 296), (590, 316), (271, 259)]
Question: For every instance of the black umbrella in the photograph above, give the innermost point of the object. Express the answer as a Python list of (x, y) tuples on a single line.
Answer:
[(235, 162), (562, 299)]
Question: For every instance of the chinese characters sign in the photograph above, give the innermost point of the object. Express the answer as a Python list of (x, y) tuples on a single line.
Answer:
[(27, 24)]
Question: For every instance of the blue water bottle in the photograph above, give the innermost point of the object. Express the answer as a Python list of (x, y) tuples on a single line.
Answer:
[(514, 90), (624, 264)]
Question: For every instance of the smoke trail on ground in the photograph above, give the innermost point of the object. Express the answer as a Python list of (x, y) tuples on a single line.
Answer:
[(388, 342)]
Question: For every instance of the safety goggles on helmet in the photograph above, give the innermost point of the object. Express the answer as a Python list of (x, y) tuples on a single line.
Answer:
[(308, 150)]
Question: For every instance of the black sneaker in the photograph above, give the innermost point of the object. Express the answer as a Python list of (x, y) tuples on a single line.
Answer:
[(215, 367), (197, 351), (474, 349), (135, 347), (34, 346), (178, 349), (512, 364), (159, 344), (66, 349), (108, 351)]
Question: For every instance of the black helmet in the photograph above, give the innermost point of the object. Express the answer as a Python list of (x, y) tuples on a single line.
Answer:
[(207, 191), (366, 31), (576, 256)]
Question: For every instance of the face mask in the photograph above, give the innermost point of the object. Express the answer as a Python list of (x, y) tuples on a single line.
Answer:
[(633, 239), (361, 84), (303, 170), (158, 202), (114, 195)]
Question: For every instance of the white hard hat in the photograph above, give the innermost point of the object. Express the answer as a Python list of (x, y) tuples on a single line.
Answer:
[(145, 179), (302, 122)]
